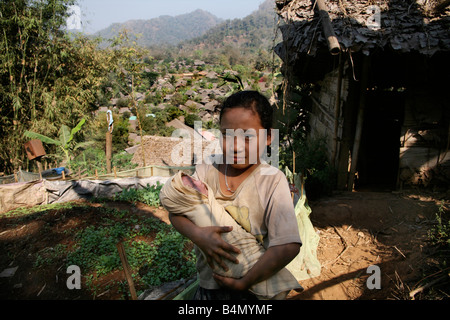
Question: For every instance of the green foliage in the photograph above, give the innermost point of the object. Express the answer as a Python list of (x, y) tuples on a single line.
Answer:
[(311, 160), (166, 258), (440, 233), (47, 79), (148, 195), (171, 261), (95, 159), (65, 139), (191, 118), (310, 154), (150, 76), (97, 128), (123, 103), (178, 99)]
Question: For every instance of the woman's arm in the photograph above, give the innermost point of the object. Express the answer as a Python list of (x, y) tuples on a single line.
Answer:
[(208, 239), (272, 261)]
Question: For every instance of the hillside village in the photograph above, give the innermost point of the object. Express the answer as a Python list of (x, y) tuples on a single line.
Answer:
[(195, 89)]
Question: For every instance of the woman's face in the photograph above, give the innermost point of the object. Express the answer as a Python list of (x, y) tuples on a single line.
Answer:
[(243, 137)]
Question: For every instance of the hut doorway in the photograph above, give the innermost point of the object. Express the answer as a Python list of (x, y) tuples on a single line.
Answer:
[(378, 161)]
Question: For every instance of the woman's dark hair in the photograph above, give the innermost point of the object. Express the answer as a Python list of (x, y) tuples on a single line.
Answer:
[(251, 100)]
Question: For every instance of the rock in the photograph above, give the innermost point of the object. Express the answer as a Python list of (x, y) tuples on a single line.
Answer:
[(8, 272)]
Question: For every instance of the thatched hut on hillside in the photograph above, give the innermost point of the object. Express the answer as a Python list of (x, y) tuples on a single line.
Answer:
[(380, 70)]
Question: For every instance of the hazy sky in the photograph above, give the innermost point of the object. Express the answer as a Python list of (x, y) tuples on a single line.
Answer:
[(99, 14)]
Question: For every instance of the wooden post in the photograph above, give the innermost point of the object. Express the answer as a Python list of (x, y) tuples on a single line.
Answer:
[(39, 165), (127, 270), (359, 121), (108, 151), (293, 174), (115, 173), (337, 112)]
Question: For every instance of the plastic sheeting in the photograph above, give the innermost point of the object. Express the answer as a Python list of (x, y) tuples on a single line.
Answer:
[(63, 191), (22, 194), (305, 265), (26, 194)]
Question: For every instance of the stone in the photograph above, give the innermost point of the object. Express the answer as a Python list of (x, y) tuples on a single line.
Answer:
[(8, 272)]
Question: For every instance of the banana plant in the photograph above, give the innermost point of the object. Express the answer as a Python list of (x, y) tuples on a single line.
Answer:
[(65, 139)]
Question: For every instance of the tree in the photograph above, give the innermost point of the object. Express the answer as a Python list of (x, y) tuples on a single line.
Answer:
[(47, 77)]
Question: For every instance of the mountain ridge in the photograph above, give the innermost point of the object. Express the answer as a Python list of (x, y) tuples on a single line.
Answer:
[(165, 29), (201, 29)]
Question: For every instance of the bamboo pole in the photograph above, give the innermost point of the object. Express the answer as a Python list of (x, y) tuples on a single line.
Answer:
[(337, 111), (333, 43)]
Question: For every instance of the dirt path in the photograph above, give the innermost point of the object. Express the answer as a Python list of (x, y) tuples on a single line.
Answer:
[(358, 230)]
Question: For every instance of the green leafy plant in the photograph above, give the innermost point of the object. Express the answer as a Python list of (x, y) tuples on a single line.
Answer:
[(167, 257), (65, 139), (148, 195), (440, 233)]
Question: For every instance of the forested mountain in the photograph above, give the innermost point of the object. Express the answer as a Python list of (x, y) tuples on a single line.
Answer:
[(202, 30), (256, 31), (164, 29)]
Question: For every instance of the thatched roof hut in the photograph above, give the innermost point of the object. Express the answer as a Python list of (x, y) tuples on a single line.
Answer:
[(380, 71)]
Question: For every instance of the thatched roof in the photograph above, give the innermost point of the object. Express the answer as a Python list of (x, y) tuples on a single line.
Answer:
[(406, 26)]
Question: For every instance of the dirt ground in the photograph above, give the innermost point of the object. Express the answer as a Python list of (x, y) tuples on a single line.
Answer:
[(360, 229), (357, 230)]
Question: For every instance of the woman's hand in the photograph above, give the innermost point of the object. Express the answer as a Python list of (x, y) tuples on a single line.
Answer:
[(231, 283), (207, 239), (272, 261)]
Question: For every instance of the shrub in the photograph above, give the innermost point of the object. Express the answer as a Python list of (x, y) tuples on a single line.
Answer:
[(440, 233), (123, 102), (191, 118)]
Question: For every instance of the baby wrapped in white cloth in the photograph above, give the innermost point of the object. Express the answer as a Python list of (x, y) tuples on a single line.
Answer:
[(183, 195)]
